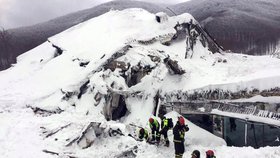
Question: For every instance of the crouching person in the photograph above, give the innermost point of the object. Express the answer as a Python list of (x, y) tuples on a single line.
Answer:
[(143, 134), (154, 125), (179, 137)]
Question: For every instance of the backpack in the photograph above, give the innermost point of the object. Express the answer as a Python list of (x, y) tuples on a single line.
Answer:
[(170, 123)]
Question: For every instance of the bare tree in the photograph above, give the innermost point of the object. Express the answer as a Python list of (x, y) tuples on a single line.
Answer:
[(276, 53), (5, 38), (5, 47)]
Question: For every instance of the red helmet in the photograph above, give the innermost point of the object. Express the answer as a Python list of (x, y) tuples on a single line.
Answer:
[(181, 120), (151, 120), (142, 131), (210, 153)]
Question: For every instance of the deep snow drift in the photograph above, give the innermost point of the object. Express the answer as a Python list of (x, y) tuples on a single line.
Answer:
[(77, 74)]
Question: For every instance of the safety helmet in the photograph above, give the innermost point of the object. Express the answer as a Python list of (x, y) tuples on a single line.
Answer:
[(151, 120), (196, 153), (210, 153), (181, 120)]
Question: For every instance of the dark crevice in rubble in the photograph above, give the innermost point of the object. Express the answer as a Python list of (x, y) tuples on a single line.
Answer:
[(83, 89), (115, 106), (137, 73), (121, 110), (158, 19), (156, 101)]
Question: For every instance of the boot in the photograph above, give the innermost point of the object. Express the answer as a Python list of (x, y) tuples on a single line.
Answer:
[(167, 143), (153, 138)]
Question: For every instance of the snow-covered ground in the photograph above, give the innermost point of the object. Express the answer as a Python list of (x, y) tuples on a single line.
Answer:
[(39, 80)]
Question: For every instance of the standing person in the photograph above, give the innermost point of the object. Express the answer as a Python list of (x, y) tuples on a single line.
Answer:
[(154, 125), (195, 154), (179, 137), (143, 134), (166, 124), (210, 154)]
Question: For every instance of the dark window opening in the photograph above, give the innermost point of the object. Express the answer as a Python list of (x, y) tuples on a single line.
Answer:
[(121, 110)]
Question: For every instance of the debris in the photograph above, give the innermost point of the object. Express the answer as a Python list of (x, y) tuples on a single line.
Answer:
[(116, 64), (116, 55), (52, 132), (173, 66), (84, 64), (130, 153), (44, 112), (88, 134), (147, 41), (59, 50), (58, 154), (83, 89)]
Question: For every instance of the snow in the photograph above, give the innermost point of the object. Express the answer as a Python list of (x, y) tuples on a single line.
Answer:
[(41, 80), (19, 135)]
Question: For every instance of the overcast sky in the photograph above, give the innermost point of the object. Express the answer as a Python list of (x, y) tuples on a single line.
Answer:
[(17, 13)]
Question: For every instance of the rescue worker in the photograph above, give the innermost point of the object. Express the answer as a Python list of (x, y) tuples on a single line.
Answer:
[(179, 137), (143, 134), (154, 125), (165, 126), (210, 154), (195, 154)]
